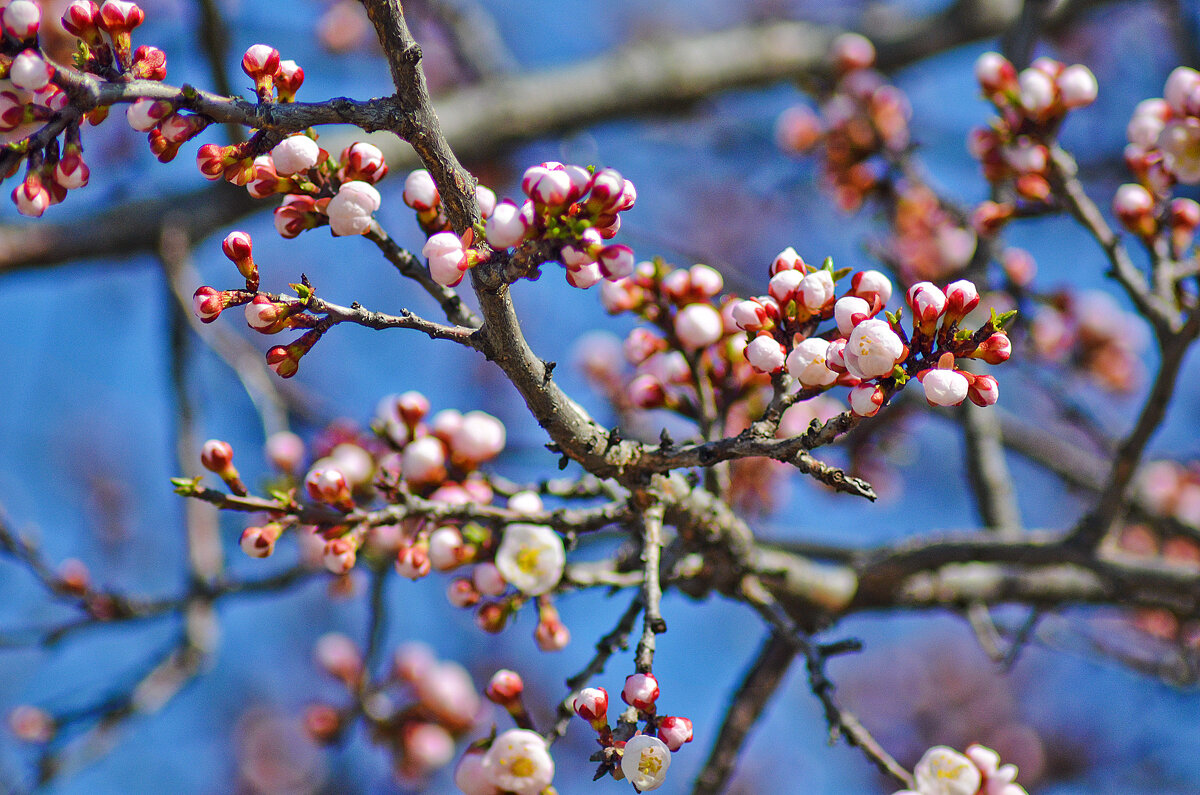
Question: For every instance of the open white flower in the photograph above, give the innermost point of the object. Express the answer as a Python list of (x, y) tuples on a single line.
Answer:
[(531, 557), (645, 762), (519, 762), (944, 771), (806, 363), (873, 349)]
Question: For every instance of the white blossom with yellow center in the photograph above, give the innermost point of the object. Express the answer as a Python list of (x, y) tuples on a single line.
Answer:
[(519, 762), (944, 771), (645, 762), (531, 557)]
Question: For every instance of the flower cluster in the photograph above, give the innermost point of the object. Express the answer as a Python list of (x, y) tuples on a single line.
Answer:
[(419, 709), (1090, 331), (863, 123), (569, 214), (944, 771), (868, 350), (1015, 150), (641, 757), (30, 97)]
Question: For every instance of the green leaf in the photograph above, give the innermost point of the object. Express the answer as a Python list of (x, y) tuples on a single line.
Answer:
[(827, 265), (963, 334), (1002, 321), (186, 487), (899, 375), (840, 273)]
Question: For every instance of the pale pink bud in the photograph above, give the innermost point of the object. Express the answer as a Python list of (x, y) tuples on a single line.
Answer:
[(765, 354), (216, 456), (607, 188), (551, 634), (472, 777), (927, 302), (420, 191), (706, 281), (448, 692), (446, 549), (259, 542), (807, 363), (1147, 122), (1077, 86), (961, 298), (984, 390), (550, 188), (749, 315), (488, 579), (995, 73), (426, 747), (486, 199), (640, 691), (865, 400), (446, 423), (641, 344), (505, 687), (872, 350), (365, 162), (424, 461), (117, 16), (285, 450), (616, 261), (447, 258), (1037, 92), (350, 210), (675, 731), (849, 311), (145, 114), (462, 593), (698, 326), (788, 260), (414, 661), (835, 355), (1181, 84), (646, 392), (784, 285), (31, 724), (944, 387), (816, 290), (339, 657), (32, 198), (294, 154), (30, 71), (1027, 157), (580, 179), (21, 19), (506, 226), (591, 704), (1134, 206), (327, 485), (871, 284), (851, 51), (995, 349), (480, 437), (288, 80), (585, 276), (339, 555), (260, 60), (413, 561)]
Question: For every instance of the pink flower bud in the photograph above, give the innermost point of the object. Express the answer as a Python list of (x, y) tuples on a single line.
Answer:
[(1037, 92), (641, 344), (259, 542), (765, 354), (607, 188), (424, 461), (30, 71), (706, 282), (479, 438), (871, 285), (784, 286), (149, 63), (995, 349), (1077, 86), (675, 731), (616, 261), (961, 298), (364, 161), (788, 260), (425, 747), (327, 485), (505, 687), (640, 691), (550, 188), (31, 197), (21, 19), (995, 73), (984, 390), (413, 561), (80, 20), (944, 387), (117, 16), (446, 549), (1181, 84), (472, 777), (296, 213), (207, 302), (265, 316), (749, 315), (488, 579), (591, 704), (447, 258), (698, 326), (295, 154), (350, 210), (849, 311), (339, 555), (178, 128), (420, 191), (585, 276), (145, 114), (339, 657), (835, 356), (851, 51), (927, 302), (816, 290), (866, 399), (288, 80), (506, 226), (807, 363), (31, 724), (551, 634), (216, 456), (12, 111), (462, 593), (1134, 206), (260, 61)]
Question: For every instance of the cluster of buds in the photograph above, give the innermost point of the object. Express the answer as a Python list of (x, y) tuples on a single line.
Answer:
[(641, 757), (569, 214), (262, 64), (928, 242), (1015, 150), (862, 124), (418, 710), (868, 350), (693, 329), (1164, 134), (1089, 331), (944, 771)]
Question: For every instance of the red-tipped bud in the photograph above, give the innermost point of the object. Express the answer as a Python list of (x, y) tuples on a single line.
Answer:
[(209, 302), (984, 390), (216, 456), (491, 617), (297, 213), (461, 592), (413, 561), (328, 485), (261, 62), (364, 161), (117, 16), (259, 542), (31, 197), (995, 73), (265, 316), (961, 298), (239, 249), (927, 302), (995, 349), (640, 691), (80, 21), (339, 555), (505, 687), (288, 80), (675, 731), (149, 63), (31, 724), (21, 19)]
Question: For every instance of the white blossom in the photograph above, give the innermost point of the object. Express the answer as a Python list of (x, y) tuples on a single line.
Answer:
[(531, 557), (806, 363), (645, 762), (872, 350), (519, 762)]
